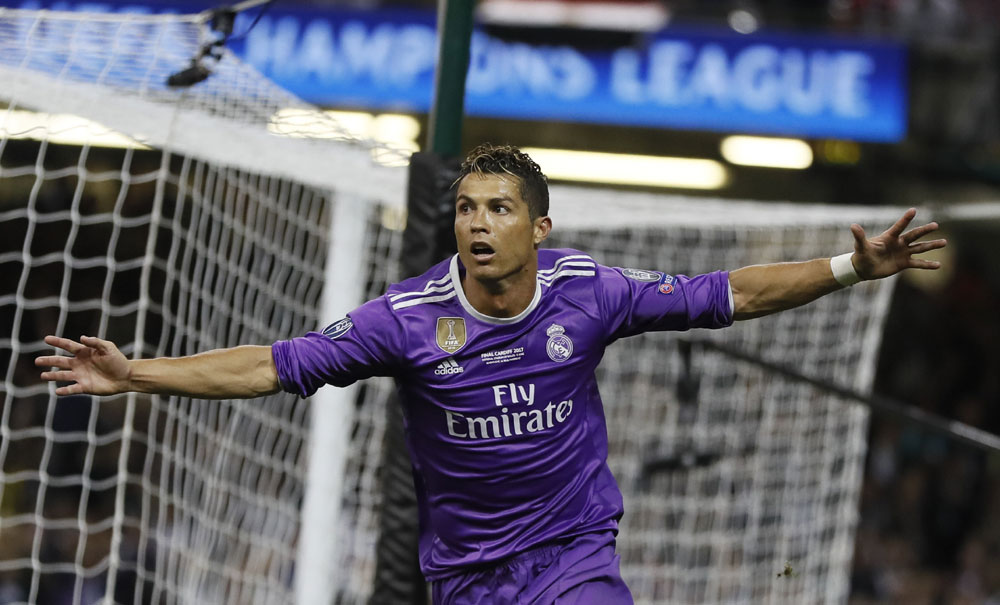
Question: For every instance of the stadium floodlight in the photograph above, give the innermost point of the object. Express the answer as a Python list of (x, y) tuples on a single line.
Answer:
[(767, 152), (630, 169), (396, 134), (398, 130), (623, 15), (302, 122)]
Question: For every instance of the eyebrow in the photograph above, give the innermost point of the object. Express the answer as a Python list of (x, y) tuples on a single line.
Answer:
[(505, 198)]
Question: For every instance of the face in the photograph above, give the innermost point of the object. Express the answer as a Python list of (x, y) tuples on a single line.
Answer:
[(496, 237)]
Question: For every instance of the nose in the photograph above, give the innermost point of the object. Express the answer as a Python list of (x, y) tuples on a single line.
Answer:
[(479, 221)]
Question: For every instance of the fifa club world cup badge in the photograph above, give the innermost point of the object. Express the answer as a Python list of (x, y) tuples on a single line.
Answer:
[(559, 346), (451, 334)]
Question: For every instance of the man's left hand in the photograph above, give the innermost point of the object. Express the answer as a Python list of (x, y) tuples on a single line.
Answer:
[(893, 250)]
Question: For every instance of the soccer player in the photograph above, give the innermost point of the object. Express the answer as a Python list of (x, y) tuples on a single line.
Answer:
[(494, 352)]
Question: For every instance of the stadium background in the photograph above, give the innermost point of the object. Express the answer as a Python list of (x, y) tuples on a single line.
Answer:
[(930, 530)]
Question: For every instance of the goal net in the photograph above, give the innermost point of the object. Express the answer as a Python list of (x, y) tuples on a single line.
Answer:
[(176, 221), (170, 221), (740, 485)]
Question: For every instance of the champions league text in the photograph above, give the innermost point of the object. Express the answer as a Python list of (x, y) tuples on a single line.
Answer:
[(507, 423)]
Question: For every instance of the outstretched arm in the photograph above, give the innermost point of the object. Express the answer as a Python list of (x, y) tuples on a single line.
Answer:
[(764, 289), (98, 368)]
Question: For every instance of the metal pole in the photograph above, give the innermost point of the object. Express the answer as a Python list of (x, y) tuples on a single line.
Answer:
[(428, 226), (444, 132)]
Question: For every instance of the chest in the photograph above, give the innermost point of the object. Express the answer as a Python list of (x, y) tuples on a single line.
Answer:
[(502, 364)]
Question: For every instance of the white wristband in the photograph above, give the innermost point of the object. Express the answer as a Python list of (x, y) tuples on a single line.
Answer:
[(843, 270)]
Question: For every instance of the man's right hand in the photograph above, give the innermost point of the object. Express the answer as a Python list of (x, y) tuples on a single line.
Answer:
[(96, 366)]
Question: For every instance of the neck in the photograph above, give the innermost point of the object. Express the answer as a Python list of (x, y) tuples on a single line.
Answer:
[(505, 297)]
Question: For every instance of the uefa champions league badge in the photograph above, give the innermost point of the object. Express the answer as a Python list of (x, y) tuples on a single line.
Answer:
[(559, 347), (666, 284)]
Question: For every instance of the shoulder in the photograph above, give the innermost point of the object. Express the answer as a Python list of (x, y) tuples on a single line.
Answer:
[(434, 285), (560, 264)]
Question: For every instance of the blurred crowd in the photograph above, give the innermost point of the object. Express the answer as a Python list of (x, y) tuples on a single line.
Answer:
[(930, 507)]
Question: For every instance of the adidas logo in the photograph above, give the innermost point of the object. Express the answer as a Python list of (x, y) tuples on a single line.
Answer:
[(448, 366)]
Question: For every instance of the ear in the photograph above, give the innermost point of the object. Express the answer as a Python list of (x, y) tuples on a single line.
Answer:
[(542, 228)]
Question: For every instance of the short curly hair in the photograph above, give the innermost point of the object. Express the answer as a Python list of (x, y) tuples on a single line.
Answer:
[(507, 159)]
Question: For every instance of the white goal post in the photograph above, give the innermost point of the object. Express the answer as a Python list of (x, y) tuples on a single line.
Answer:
[(232, 213), (173, 221)]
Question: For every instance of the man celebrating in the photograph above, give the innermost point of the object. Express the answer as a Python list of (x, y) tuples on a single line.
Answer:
[(494, 352)]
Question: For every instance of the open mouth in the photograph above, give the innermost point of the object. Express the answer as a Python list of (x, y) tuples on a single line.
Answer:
[(482, 252)]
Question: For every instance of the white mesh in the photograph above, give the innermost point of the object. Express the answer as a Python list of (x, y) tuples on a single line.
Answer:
[(217, 236), (774, 468), (214, 235), (113, 69), (766, 472)]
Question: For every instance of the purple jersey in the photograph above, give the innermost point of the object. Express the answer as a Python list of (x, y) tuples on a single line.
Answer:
[(504, 421)]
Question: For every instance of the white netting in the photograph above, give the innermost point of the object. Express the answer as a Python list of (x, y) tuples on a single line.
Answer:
[(755, 496), (215, 234), (757, 471)]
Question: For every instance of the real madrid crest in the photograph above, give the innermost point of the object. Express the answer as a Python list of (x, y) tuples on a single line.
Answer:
[(559, 347), (450, 334), (641, 274)]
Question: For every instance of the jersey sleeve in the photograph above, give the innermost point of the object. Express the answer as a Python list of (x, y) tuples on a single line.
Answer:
[(634, 301), (366, 343)]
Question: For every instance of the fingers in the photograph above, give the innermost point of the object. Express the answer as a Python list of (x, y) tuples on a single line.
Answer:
[(96, 343), (60, 376), (921, 247), (74, 347), (53, 361), (65, 344), (72, 389), (859, 237), (920, 263), (898, 226), (915, 234)]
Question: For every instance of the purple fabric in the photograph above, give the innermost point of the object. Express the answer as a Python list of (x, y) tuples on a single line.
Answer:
[(506, 432), (581, 571)]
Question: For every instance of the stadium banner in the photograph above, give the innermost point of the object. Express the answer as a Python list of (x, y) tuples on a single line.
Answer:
[(695, 79)]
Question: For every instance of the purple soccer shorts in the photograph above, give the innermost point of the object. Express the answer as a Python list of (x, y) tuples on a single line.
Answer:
[(578, 571)]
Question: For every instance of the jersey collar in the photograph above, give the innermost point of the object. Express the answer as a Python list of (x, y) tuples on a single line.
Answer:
[(456, 280)]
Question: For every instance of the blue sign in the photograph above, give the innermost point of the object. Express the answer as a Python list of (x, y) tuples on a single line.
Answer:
[(764, 83), (692, 80)]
